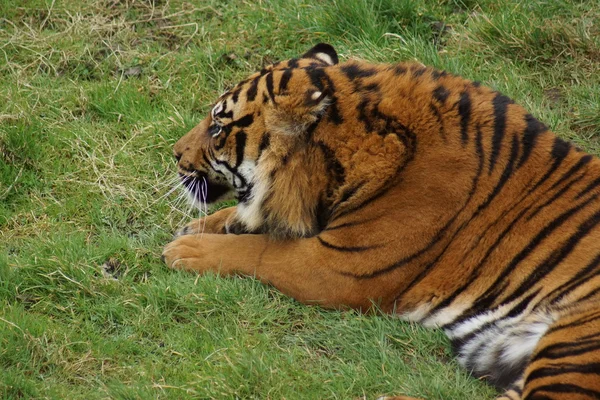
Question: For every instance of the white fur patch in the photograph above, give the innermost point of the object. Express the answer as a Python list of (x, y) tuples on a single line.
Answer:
[(417, 314), (445, 316), (324, 57), (504, 345), (523, 341), (249, 213), (216, 109), (476, 322)]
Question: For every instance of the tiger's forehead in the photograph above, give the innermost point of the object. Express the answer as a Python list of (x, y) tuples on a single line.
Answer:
[(291, 64), (226, 103)]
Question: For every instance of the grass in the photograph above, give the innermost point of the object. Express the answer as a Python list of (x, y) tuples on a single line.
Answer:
[(93, 94)]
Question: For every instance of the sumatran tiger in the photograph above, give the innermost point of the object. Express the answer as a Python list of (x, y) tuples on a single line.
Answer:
[(414, 191)]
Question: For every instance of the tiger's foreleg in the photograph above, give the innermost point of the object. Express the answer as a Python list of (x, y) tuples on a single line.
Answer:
[(214, 223), (301, 268)]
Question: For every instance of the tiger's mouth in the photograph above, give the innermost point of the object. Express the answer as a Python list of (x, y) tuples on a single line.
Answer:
[(203, 190)]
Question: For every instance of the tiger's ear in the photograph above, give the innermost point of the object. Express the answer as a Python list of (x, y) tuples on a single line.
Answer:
[(294, 113), (323, 52)]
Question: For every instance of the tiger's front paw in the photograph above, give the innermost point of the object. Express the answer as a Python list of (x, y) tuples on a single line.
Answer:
[(196, 253), (186, 253)]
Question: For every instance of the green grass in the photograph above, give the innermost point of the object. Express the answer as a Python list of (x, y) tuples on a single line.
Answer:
[(93, 94)]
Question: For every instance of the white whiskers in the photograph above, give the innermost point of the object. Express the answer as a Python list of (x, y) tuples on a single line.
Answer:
[(203, 203), (191, 195)]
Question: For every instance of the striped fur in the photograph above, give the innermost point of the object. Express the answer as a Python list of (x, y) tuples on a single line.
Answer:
[(430, 195)]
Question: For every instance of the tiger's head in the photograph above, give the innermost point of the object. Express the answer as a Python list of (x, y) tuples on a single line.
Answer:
[(272, 111), (301, 142)]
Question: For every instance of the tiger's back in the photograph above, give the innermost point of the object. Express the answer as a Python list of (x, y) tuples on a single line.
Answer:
[(434, 196)]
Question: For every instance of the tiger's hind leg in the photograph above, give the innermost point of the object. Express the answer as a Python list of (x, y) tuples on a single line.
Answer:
[(566, 362)]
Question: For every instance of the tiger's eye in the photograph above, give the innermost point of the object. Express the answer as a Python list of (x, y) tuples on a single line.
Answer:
[(214, 130)]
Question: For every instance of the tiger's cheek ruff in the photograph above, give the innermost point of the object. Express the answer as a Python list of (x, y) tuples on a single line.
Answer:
[(249, 211)]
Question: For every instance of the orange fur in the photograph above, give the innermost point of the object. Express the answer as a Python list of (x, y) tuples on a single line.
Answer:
[(425, 193)]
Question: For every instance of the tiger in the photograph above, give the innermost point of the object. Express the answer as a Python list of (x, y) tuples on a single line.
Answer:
[(407, 190)]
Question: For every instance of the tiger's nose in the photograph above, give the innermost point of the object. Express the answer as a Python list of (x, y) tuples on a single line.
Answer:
[(177, 156)]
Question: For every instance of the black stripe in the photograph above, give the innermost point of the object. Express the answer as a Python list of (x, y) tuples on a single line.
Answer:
[(564, 368), (245, 195), (500, 103), (486, 300), (438, 116), (335, 169), (555, 197), (399, 69), (436, 238), (582, 321), (333, 112), (363, 115), (522, 305), (418, 71), (253, 89), (590, 295), (436, 74), (371, 87), (347, 249), (583, 161), (269, 82), (317, 77), (466, 338), (354, 71), (474, 185), (560, 149), (475, 273), (506, 174), (464, 110), (224, 114), (363, 203), (323, 82), (285, 79), (515, 311), (530, 135), (441, 94), (310, 130), (243, 122), (265, 141), (591, 186), (349, 192), (206, 160), (236, 93), (240, 146), (590, 336), (558, 388)]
